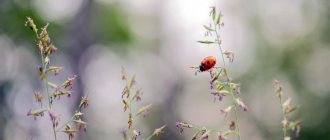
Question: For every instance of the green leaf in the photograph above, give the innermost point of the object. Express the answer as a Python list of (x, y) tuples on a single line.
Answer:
[(132, 82), (143, 109), (54, 68), (219, 18), (206, 42), (79, 122), (213, 12), (225, 92), (52, 85), (70, 131), (221, 87), (207, 28), (137, 93), (78, 114)]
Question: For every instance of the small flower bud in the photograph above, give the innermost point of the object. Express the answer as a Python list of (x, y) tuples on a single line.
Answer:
[(52, 48), (136, 133), (68, 130), (42, 74), (285, 123), (126, 92), (137, 95), (130, 121), (226, 111), (55, 118), (241, 104), (81, 124), (123, 73), (159, 131), (221, 136), (181, 125), (47, 61), (205, 135), (232, 126), (278, 89), (125, 105), (78, 114), (30, 23), (38, 96), (36, 113), (84, 102), (69, 82), (229, 55), (144, 110)]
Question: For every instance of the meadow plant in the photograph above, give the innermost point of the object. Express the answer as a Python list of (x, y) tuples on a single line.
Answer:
[(222, 87), (287, 110), (130, 96), (221, 84), (53, 92)]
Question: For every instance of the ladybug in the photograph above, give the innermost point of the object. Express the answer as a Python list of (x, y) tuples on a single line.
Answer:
[(207, 63)]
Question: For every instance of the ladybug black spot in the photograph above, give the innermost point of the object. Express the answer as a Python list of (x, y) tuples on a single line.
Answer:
[(208, 62)]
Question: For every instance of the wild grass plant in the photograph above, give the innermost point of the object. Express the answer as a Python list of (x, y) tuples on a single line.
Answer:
[(222, 87), (52, 91), (287, 109), (130, 96)]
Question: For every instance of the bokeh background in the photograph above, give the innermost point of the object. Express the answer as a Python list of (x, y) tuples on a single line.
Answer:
[(156, 41)]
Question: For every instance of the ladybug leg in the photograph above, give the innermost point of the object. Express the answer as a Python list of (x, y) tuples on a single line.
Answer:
[(197, 71)]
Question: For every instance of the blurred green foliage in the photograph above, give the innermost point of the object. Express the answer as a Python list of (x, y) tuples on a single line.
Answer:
[(110, 24)]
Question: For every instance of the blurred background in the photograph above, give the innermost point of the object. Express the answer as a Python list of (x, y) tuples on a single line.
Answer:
[(156, 41)]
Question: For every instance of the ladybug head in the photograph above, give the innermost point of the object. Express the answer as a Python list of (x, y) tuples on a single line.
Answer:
[(202, 68)]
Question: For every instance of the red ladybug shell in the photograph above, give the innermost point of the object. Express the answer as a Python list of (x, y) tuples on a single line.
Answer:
[(207, 63)]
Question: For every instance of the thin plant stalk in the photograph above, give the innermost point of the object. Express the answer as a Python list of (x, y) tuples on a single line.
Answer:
[(148, 138), (44, 67), (224, 66), (292, 126), (284, 116), (46, 48), (69, 121)]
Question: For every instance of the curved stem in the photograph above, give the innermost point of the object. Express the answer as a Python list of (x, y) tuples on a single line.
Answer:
[(224, 66), (69, 121), (236, 115), (219, 43), (49, 103), (148, 138)]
